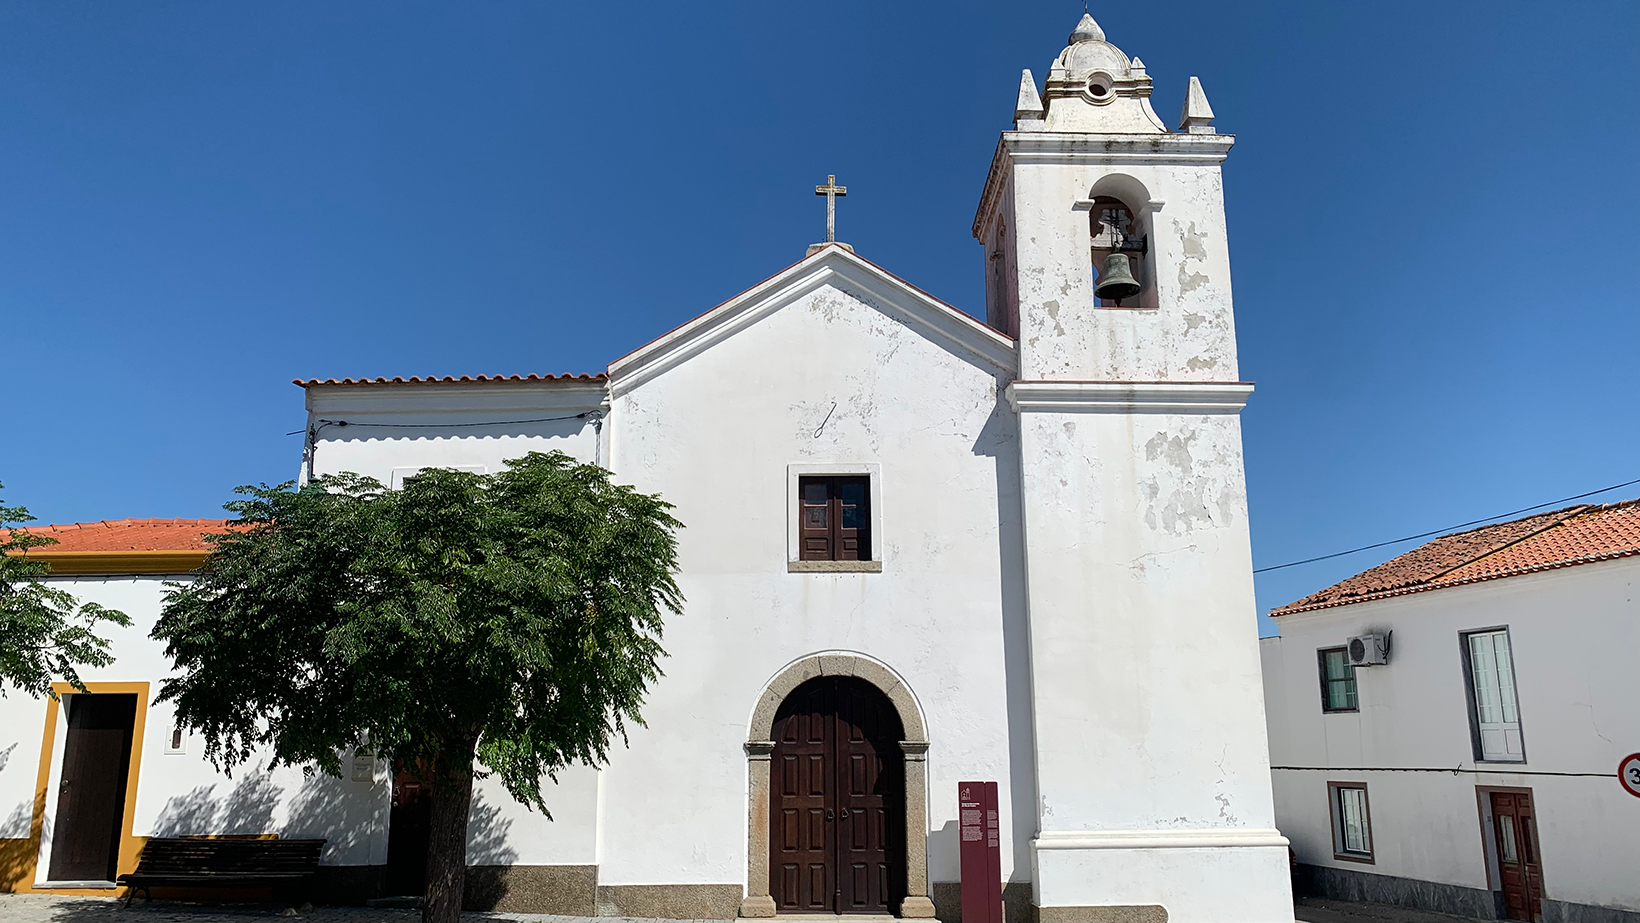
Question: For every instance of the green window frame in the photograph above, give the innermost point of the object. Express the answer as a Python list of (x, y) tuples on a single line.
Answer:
[(1337, 680)]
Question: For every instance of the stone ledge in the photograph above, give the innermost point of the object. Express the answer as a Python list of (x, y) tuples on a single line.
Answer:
[(1107, 913), (834, 567)]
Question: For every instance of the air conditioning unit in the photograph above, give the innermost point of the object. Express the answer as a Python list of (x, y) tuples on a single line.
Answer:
[(1369, 650)]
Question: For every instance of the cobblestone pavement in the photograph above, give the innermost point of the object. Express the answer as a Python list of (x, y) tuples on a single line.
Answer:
[(1317, 910), (50, 908)]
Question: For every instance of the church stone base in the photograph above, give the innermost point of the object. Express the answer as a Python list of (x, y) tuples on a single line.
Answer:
[(670, 902), (564, 889), (1108, 913), (1016, 901)]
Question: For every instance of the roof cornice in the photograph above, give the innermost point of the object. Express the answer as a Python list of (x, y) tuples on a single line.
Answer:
[(74, 563), (531, 378), (1189, 397)]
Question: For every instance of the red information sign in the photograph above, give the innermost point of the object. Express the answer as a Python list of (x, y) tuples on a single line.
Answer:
[(1628, 772), (980, 852)]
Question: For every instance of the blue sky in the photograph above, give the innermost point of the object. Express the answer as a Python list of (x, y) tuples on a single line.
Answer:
[(1434, 213)]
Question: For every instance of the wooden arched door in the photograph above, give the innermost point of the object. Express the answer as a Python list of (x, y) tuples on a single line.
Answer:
[(837, 802)]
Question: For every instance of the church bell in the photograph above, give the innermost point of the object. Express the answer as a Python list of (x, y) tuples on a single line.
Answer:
[(1116, 282)]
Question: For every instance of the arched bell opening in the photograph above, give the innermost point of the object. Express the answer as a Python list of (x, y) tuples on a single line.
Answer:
[(1120, 252)]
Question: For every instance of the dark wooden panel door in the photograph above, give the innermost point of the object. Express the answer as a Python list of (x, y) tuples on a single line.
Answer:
[(868, 796), (802, 867), (409, 822), (1520, 869), (85, 841), (836, 804)]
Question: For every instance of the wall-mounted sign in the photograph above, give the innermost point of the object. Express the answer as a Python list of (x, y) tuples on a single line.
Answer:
[(364, 766), (1628, 772), (980, 852)]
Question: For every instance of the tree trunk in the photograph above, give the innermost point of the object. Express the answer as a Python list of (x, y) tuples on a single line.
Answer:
[(447, 836)]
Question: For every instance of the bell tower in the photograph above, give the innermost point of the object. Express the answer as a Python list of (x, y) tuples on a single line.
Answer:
[(1107, 259)]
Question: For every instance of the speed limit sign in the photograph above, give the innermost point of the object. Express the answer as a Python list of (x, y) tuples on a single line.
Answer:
[(1628, 772)]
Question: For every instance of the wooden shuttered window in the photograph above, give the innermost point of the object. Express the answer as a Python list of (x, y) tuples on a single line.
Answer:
[(834, 518)]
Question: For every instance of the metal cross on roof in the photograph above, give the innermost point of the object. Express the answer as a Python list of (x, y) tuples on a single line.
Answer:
[(831, 191)]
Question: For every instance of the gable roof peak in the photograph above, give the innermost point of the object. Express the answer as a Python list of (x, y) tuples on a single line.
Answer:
[(833, 262)]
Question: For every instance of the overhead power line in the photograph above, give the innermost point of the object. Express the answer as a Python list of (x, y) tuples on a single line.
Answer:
[(1461, 525)]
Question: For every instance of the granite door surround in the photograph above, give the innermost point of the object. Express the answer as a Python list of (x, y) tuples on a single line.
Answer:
[(759, 746)]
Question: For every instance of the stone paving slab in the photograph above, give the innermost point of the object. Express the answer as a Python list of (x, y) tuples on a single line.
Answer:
[(52, 908)]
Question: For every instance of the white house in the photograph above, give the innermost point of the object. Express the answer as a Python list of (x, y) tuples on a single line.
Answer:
[(85, 780), (1013, 551), (1476, 770)]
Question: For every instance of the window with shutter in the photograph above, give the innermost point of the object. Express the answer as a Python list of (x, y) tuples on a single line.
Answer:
[(834, 518)]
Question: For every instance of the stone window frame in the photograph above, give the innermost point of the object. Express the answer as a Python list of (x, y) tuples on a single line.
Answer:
[(759, 748), (794, 562)]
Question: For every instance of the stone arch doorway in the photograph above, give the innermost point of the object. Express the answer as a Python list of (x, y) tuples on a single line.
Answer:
[(837, 714)]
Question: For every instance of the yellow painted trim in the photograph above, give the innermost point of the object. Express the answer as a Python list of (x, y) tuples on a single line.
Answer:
[(120, 562), (130, 846)]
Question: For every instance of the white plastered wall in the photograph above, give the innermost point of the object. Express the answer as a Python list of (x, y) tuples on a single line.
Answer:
[(716, 435), (437, 424)]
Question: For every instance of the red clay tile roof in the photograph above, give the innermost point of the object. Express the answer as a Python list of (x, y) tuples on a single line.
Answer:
[(1574, 535), (416, 379), (126, 535)]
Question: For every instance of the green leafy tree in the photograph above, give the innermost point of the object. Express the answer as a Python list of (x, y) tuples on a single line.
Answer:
[(45, 632), (510, 621)]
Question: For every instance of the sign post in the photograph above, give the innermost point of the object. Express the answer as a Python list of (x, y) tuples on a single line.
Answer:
[(980, 852)]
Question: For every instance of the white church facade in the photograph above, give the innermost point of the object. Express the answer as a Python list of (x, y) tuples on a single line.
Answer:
[(919, 550)]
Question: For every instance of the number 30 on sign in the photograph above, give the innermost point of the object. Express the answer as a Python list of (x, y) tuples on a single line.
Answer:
[(1628, 772)]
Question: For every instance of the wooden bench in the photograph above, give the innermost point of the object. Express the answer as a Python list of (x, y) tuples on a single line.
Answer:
[(223, 863)]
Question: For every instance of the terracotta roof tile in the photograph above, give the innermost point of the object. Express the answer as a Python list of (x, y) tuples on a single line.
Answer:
[(416, 379), (126, 535), (1563, 538)]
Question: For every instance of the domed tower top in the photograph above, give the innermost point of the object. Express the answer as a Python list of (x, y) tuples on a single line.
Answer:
[(1092, 87)]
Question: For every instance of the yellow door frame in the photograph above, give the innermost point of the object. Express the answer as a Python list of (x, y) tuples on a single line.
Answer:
[(130, 846)]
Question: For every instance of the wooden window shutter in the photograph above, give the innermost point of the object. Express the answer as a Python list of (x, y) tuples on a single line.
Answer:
[(851, 501), (834, 518), (814, 519)]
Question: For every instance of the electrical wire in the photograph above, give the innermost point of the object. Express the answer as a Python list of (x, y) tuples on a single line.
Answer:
[(574, 416), (1454, 770), (1461, 525)]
